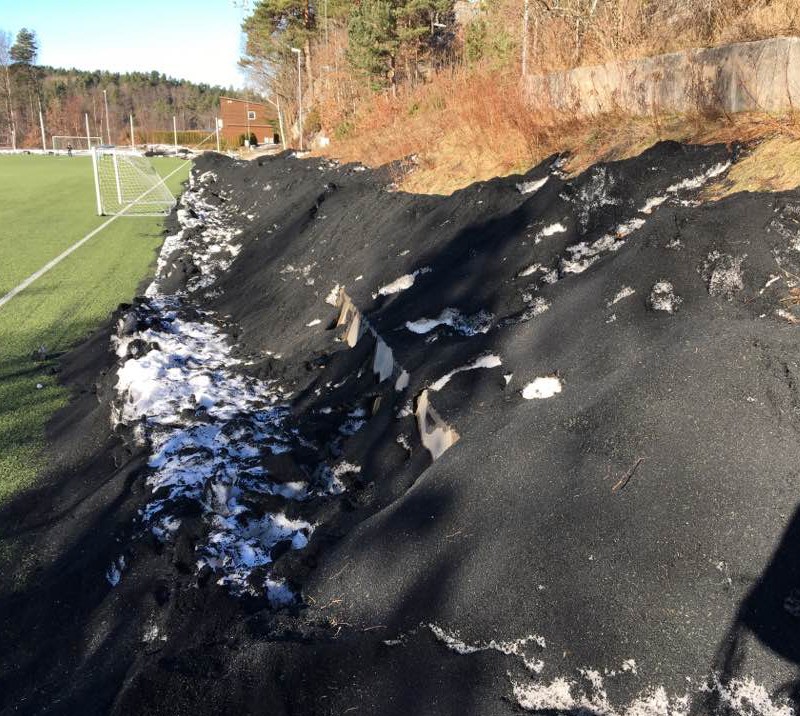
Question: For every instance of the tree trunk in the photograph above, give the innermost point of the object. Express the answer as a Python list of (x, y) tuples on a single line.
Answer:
[(37, 90), (309, 73), (10, 109), (94, 113), (525, 21)]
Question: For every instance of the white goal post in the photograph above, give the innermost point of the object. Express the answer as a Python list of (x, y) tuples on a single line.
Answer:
[(62, 142), (127, 183)]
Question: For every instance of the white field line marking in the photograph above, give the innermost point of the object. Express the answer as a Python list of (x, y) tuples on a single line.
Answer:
[(58, 259)]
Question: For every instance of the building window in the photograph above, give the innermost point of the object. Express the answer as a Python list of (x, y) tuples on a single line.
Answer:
[(251, 115)]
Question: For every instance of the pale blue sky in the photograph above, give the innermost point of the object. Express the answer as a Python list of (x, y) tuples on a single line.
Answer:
[(198, 40)]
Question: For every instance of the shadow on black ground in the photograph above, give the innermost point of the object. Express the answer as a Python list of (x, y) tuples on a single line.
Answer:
[(769, 615), (71, 644)]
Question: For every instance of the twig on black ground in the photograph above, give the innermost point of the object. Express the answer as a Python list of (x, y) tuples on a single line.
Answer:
[(627, 476)]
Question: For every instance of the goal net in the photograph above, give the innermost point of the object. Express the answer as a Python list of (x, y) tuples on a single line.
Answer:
[(61, 143), (126, 183)]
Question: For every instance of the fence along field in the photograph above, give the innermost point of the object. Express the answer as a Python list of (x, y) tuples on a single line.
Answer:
[(107, 133), (50, 204)]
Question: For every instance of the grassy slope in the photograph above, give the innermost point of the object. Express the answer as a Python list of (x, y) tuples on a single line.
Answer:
[(48, 205)]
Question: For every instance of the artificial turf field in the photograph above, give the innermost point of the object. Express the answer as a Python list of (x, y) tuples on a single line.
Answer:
[(47, 205)]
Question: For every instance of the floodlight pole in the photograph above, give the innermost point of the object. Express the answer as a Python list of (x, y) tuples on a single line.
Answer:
[(133, 143), (299, 94), (216, 131), (108, 127), (88, 133), (175, 133)]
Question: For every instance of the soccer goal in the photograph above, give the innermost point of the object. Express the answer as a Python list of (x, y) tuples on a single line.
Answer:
[(126, 183), (61, 143)]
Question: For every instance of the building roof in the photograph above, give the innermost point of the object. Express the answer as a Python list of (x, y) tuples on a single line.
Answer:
[(245, 101)]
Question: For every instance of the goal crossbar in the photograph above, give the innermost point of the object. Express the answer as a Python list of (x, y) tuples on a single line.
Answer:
[(127, 183)]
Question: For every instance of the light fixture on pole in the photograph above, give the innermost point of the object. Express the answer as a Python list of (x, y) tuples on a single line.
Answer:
[(299, 95)]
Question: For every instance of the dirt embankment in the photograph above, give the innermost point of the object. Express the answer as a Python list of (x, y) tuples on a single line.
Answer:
[(266, 530)]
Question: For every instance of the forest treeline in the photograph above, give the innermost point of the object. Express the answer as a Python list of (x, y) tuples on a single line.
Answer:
[(67, 96)]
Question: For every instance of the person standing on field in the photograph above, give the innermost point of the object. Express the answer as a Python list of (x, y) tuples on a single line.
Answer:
[(69, 150)]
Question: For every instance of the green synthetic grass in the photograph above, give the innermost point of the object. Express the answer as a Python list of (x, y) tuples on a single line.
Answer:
[(48, 204)]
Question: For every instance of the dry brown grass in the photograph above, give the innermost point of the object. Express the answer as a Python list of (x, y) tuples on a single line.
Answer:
[(461, 127), (775, 140), (467, 124), (580, 32), (472, 126), (772, 165)]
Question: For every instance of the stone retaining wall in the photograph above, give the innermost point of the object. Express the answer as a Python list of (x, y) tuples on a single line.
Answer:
[(746, 76)]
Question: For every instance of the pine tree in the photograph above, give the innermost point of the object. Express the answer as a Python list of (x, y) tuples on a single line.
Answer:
[(475, 40), (417, 23), (373, 41), (26, 47), (23, 53), (381, 31), (276, 26)]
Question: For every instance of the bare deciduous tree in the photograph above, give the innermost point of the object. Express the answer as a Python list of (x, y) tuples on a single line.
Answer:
[(5, 62)]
